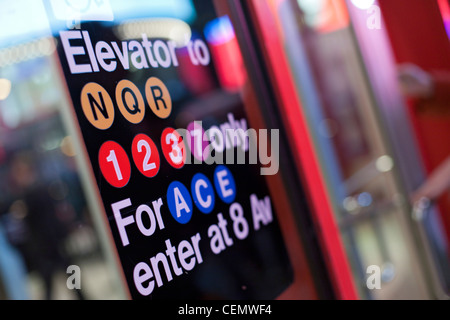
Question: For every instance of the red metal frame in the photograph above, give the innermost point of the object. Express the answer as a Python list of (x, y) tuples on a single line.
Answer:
[(302, 145)]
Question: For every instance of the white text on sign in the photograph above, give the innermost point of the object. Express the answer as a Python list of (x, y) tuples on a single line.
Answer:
[(143, 54)]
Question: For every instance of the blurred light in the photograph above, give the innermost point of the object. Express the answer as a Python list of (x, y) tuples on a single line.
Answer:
[(444, 6), (67, 147), (350, 204), (364, 199), (325, 15), (51, 142), (225, 53), (79, 5), (5, 88), (363, 4), (310, 7), (219, 31), (11, 117), (82, 10), (19, 209), (384, 163), (388, 272), (45, 46), (156, 28), (27, 51), (204, 81), (21, 21), (140, 9)]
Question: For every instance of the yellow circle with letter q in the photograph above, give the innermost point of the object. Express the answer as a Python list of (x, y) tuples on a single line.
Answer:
[(130, 101)]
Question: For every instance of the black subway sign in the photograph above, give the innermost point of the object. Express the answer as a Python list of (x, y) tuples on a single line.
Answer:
[(178, 168)]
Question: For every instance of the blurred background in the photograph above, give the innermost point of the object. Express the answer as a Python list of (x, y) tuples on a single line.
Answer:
[(367, 80)]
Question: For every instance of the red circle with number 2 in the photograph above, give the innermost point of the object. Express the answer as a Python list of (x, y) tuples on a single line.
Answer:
[(145, 155)]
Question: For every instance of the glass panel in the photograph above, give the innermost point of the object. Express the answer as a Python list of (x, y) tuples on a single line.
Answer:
[(94, 175), (46, 222), (361, 172)]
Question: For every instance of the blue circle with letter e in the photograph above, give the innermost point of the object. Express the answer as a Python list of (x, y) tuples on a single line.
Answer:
[(179, 202), (224, 183), (203, 193)]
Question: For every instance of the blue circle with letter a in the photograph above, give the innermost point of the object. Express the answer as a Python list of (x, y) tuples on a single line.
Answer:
[(179, 202)]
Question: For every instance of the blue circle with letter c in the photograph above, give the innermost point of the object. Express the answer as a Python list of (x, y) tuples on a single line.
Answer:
[(203, 193)]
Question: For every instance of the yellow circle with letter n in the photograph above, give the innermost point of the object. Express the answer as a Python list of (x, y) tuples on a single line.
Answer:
[(97, 106)]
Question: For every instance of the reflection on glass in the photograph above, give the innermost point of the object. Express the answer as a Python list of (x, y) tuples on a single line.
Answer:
[(45, 221), (361, 174), (194, 53)]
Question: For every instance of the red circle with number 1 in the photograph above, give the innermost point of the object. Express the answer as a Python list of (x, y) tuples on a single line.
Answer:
[(114, 164), (145, 155)]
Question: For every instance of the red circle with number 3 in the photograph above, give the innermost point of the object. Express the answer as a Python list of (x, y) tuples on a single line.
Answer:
[(145, 155), (173, 148), (114, 164)]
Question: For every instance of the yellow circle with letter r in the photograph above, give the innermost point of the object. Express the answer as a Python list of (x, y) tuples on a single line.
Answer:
[(158, 97)]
